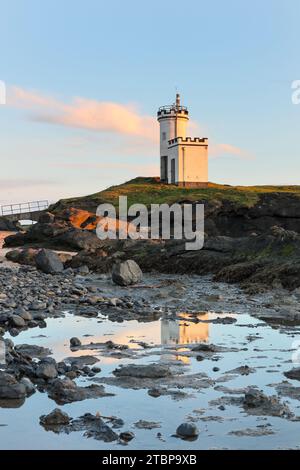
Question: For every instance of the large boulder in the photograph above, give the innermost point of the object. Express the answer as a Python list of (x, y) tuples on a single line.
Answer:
[(126, 273), (49, 262)]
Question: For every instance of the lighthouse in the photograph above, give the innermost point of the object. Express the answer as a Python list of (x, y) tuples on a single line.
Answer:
[(183, 160)]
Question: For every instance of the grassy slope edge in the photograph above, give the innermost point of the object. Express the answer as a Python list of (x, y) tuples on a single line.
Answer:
[(150, 191)]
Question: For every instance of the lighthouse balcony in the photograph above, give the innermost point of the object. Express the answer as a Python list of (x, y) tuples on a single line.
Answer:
[(166, 111)]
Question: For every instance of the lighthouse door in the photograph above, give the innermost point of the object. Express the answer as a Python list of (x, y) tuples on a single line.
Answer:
[(164, 169), (173, 171)]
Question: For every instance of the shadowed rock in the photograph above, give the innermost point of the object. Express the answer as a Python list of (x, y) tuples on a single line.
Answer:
[(49, 262), (66, 391)]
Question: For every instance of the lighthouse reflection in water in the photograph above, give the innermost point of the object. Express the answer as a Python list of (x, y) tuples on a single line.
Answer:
[(184, 331)]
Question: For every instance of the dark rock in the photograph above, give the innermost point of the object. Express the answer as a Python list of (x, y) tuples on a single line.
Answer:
[(94, 427), (141, 424), (187, 431), (257, 403), (7, 225), (56, 417), (48, 262), (29, 387), (126, 436), (66, 391), (17, 239), (75, 342), (26, 256), (10, 388), (153, 371), (23, 313), (46, 369), (154, 392), (293, 374), (46, 218), (83, 270), (77, 239), (205, 347), (32, 350), (80, 361), (16, 320)]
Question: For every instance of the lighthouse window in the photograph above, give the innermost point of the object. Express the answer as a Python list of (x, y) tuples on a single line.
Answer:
[(164, 136)]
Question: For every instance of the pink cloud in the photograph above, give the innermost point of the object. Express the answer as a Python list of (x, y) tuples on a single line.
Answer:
[(102, 116), (141, 131), (219, 150)]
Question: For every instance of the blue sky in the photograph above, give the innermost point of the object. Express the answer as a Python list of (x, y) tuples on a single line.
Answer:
[(84, 81)]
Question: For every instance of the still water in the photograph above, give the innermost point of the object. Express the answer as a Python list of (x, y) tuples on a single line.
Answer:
[(265, 348)]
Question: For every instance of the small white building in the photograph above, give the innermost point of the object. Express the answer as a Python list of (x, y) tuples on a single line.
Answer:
[(183, 160)]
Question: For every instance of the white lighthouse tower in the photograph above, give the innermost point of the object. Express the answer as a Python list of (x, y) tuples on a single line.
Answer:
[(183, 160)]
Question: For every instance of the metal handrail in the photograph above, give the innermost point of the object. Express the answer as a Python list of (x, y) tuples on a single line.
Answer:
[(172, 106), (24, 207)]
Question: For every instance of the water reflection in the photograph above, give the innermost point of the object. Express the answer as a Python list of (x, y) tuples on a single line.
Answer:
[(184, 331)]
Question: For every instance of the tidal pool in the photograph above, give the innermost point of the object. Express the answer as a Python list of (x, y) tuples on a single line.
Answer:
[(266, 348)]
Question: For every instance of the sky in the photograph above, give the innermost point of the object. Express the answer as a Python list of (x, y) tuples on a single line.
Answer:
[(84, 81)]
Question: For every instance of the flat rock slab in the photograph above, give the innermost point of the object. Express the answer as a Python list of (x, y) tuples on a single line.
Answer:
[(151, 371), (81, 361), (252, 432), (33, 351), (141, 424), (193, 381), (286, 389)]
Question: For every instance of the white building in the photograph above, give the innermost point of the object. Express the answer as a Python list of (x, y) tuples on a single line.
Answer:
[(183, 160)]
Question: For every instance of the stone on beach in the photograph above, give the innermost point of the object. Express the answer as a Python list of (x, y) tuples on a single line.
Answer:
[(126, 273), (17, 321), (10, 388), (56, 417), (187, 430), (46, 369), (49, 262), (75, 342)]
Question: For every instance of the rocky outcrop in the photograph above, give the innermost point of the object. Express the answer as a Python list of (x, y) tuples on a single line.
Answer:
[(265, 259)]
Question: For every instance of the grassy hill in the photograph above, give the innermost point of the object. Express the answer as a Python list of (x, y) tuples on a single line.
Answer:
[(151, 191)]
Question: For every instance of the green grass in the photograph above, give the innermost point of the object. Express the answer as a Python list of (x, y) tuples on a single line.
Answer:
[(150, 191)]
